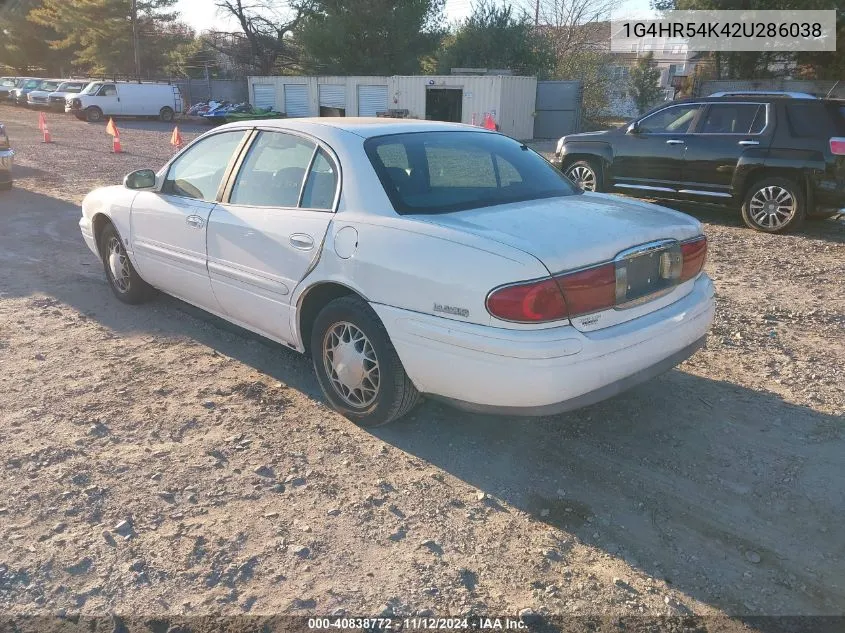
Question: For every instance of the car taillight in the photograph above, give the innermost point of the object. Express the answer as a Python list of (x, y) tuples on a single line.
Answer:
[(694, 253), (589, 290), (529, 302), (837, 145)]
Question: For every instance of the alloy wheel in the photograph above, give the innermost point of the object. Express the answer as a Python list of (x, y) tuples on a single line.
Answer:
[(772, 207), (351, 364), (582, 176)]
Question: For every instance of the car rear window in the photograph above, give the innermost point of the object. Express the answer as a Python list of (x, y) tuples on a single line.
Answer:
[(807, 120), (440, 172)]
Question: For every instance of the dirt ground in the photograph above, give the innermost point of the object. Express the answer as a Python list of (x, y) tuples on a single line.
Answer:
[(159, 461)]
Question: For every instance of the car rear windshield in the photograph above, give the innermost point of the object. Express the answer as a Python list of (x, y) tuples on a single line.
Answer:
[(440, 172)]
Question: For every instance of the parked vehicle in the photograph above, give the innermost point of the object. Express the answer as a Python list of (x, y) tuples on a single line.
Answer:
[(764, 93), (412, 257), (24, 87), (104, 99), (7, 84), (778, 159), (6, 159), (40, 97), (56, 100)]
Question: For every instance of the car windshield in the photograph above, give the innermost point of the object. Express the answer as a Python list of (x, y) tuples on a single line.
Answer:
[(91, 88), (31, 83), (440, 172), (49, 86), (67, 87), (7, 83)]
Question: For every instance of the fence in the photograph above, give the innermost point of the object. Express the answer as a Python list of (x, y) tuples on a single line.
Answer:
[(818, 88), (196, 90)]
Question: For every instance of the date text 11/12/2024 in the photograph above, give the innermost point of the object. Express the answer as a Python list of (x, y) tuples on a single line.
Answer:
[(419, 623)]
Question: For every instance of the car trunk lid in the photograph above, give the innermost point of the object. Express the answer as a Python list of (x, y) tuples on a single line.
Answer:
[(581, 231)]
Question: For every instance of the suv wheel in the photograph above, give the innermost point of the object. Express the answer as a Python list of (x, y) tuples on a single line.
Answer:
[(585, 174), (166, 114), (774, 205)]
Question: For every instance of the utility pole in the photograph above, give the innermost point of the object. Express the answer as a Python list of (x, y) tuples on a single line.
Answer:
[(135, 39), (536, 13)]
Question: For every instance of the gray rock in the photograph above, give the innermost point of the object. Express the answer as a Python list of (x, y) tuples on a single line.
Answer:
[(752, 556), (264, 471), (59, 527), (300, 550), (333, 512)]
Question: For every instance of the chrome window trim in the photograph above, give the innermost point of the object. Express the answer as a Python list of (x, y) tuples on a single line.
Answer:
[(709, 103)]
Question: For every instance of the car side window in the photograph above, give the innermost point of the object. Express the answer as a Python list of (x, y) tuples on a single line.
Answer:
[(321, 185), (197, 172), (272, 174), (108, 90), (733, 118), (674, 119)]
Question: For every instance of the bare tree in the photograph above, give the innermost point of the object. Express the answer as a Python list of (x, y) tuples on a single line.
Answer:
[(268, 27), (577, 33)]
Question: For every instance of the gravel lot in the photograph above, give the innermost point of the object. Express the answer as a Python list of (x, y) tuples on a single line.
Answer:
[(157, 460)]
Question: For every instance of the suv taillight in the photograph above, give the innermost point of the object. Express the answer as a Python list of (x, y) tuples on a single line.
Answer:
[(577, 293), (837, 145)]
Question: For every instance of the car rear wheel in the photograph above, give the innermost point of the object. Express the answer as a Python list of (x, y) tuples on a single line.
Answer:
[(585, 174), (357, 366), (774, 205), (166, 114), (124, 280), (93, 114)]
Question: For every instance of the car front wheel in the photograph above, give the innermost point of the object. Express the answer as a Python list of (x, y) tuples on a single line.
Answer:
[(124, 280), (357, 366), (774, 205), (93, 114), (585, 174)]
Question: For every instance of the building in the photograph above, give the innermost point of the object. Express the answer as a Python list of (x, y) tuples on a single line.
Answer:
[(509, 100)]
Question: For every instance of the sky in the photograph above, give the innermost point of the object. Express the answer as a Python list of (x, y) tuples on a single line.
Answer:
[(202, 14)]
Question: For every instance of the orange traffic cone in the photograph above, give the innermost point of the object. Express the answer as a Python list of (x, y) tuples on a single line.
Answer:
[(176, 139), (112, 130), (489, 123), (42, 121), (47, 137)]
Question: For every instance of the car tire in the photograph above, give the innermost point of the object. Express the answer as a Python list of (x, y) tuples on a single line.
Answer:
[(375, 390), (166, 114), (585, 173), (124, 280), (774, 205), (93, 114)]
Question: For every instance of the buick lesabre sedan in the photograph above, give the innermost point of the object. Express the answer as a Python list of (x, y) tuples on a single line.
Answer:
[(412, 258)]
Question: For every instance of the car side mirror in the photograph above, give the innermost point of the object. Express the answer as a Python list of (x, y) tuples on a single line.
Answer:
[(141, 179), (634, 128)]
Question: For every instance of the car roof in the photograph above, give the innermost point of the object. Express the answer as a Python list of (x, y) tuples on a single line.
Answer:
[(365, 127)]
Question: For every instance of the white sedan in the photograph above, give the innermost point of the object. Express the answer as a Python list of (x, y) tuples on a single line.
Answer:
[(412, 258)]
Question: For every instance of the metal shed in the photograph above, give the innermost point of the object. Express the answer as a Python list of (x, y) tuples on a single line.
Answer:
[(509, 100)]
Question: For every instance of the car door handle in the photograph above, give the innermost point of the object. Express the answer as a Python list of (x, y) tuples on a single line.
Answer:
[(674, 141), (749, 143), (195, 221), (301, 241)]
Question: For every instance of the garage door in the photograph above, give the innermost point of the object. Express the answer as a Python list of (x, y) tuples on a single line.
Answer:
[(333, 95), (296, 100), (264, 95), (371, 99)]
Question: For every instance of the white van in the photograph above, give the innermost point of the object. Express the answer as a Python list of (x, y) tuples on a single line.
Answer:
[(125, 98)]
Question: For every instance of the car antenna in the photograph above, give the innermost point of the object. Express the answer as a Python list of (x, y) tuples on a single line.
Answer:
[(830, 92)]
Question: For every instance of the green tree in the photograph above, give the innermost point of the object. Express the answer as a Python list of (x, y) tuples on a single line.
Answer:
[(494, 37), (99, 35), (25, 46), (644, 83), (370, 37)]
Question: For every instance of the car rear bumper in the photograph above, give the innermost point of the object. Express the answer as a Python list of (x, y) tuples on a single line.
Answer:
[(542, 372)]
